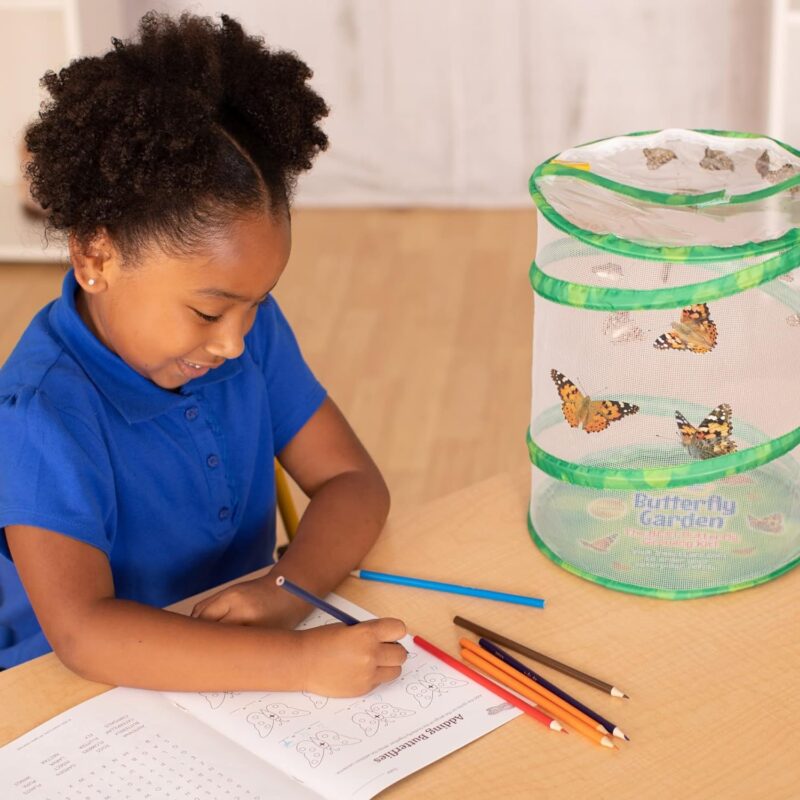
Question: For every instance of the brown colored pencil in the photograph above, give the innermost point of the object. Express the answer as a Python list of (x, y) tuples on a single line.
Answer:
[(540, 657)]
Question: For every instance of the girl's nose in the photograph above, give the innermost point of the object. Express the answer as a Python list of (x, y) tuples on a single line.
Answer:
[(228, 343)]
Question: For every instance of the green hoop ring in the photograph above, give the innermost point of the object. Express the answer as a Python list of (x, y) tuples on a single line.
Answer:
[(661, 477)]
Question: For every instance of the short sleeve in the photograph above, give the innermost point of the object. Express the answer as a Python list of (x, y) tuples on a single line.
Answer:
[(55, 471), (294, 393)]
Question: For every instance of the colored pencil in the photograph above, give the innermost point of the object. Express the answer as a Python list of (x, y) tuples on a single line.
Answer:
[(538, 715), (452, 588), (343, 616), (321, 604), (605, 725), (546, 694), (499, 675), (540, 657)]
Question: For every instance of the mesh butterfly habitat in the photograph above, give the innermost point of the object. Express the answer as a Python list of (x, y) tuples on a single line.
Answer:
[(666, 370)]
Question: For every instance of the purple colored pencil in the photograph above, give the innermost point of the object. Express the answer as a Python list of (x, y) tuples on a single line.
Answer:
[(492, 648), (313, 600)]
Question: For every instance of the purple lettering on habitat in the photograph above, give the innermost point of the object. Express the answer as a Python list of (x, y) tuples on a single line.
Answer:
[(674, 511)]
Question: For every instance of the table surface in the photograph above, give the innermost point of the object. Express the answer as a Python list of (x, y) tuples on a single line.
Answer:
[(713, 711)]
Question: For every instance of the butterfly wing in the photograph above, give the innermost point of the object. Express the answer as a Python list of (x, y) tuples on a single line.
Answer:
[(712, 437), (335, 740), (283, 712), (422, 694), (262, 722), (368, 724), (601, 413), (388, 711), (686, 430), (695, 332), (312, 753), (442, 682), (697, 318), (572, 401)]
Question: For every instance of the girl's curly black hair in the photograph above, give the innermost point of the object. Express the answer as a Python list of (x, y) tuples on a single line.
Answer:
[(167, 139)]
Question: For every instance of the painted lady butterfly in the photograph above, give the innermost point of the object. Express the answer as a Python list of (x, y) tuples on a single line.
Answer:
[(581, 411), (712, 437), (695, 332)]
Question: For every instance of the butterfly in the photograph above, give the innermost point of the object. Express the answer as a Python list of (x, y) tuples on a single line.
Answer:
[(273, 713), (712, 437), (772, 523), (370, 720), (657, 156), (716, 159), (425, 689), (580, 410), (319, 744), (695, 332)]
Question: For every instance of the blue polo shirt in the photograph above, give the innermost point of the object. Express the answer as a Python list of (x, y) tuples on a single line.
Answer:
[(176, 488)]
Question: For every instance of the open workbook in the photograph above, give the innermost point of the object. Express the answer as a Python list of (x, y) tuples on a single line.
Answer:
[(132, 743)]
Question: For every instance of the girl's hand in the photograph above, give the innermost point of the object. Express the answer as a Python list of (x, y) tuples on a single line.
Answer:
[(255, 602), (347, 661)]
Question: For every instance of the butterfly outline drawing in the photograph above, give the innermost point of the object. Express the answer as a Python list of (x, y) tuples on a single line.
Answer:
[(265, 719), (424, 689), (377, 714), (712, 437), (695, 332), (316, 746), (580, 410)]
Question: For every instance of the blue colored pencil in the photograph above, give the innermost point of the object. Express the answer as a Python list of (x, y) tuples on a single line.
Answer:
[(321, 604), (453, 588), (492, 648)]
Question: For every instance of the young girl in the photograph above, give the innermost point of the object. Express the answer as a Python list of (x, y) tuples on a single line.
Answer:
[(140, 413)]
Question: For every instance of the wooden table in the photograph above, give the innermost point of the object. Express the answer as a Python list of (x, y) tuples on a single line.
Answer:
[(714, 709)]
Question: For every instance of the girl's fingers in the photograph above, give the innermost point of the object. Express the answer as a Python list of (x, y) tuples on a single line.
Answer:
[(392, 655), (386, 674)]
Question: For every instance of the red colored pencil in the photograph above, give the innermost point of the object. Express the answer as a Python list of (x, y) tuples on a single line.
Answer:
[(549, 722)]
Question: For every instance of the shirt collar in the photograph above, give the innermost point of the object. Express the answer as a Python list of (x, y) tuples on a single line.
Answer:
[(133, 395)]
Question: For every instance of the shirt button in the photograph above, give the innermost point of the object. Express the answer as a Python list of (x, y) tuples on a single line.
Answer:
[(224, 513), (212, 461), (191, 413)]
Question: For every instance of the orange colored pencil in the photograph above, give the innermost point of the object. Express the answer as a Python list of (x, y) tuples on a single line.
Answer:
[(531, 684), (519, 687), (530, 710)]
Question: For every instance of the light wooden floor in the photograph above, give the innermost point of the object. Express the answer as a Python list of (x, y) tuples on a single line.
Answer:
[(418, 323)]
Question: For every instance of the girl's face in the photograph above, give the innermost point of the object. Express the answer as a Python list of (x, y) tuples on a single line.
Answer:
[(175, 318)]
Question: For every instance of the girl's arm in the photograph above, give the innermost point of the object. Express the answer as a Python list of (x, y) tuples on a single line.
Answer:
[(349, 503), (115, 641)]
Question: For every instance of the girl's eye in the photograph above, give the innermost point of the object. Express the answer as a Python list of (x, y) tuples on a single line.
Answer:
[(206, 317)]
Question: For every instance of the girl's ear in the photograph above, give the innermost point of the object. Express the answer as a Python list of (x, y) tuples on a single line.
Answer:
[(95, 260)]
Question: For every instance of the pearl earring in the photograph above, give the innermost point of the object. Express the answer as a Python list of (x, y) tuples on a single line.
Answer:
[(91, 281)]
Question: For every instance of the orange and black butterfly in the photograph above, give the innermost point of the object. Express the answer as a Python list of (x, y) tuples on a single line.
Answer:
[(712, 437), (581, 411), (695, 332)]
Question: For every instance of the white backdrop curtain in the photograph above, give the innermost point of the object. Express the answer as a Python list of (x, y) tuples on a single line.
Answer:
[(453, 102)]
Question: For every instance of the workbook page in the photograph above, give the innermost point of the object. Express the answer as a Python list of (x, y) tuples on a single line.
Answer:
[(355, 747), (131, 744)]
